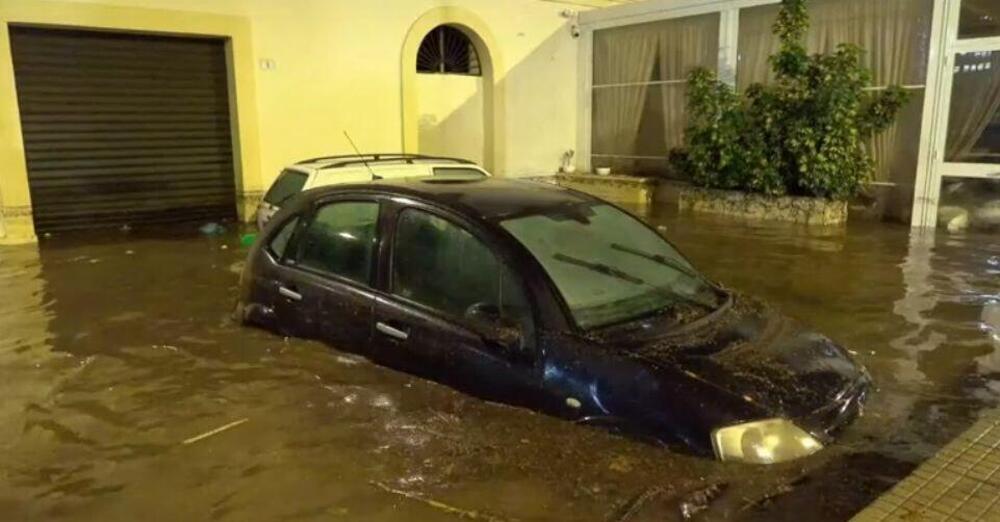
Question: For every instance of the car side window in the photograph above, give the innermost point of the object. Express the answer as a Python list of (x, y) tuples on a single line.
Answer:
[(279, 241), (441, 265), (340, 240)]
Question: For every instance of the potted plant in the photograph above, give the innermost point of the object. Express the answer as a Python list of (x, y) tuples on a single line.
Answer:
[(793, 149)]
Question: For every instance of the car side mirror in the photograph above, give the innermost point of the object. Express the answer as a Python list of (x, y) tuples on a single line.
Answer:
[(507, 338), (498, 330)]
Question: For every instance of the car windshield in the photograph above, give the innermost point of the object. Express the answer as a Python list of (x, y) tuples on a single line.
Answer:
[(288, 184), (609, 267)]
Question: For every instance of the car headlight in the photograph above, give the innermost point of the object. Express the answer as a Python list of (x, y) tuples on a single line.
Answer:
[(763, 442)]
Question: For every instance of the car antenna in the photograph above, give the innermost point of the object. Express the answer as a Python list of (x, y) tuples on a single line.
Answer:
[(358, 152)]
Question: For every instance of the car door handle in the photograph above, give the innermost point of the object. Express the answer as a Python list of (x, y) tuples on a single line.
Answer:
[(289, 293), (395, 333)]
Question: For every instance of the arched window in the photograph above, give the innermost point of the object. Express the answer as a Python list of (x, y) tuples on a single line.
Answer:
[(447, 50)]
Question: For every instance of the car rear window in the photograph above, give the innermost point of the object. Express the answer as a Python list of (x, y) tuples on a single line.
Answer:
[(288, 184), (458, 172)]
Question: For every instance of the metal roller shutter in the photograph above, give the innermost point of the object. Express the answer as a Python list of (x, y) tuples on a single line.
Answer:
[(123, 128)]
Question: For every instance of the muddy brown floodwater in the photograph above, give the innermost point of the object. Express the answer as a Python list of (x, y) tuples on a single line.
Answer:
[(116, 347)]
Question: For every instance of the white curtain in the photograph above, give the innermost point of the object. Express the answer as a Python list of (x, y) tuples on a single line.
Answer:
[(756, 44), (685, 44), (637, 55), (975, 100), (895, 35), (623, 62)]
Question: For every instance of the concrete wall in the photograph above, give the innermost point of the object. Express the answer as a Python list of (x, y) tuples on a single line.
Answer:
[(451, 116), (336, 66)]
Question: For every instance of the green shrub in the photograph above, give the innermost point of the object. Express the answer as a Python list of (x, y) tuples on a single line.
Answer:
[(803, 134)]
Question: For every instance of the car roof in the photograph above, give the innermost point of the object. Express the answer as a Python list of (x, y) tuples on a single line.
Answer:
[(491, 199)]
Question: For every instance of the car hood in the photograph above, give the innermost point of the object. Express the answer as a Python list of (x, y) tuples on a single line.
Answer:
[(766, 358)]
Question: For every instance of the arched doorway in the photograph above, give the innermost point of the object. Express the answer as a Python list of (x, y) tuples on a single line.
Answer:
[(450, 96), (454, 40)]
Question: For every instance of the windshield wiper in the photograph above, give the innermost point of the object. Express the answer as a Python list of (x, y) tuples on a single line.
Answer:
[(610, 271), (600, 268), (657, 258)]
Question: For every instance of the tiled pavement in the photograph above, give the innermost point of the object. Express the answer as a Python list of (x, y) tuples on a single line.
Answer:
[(961, 482)]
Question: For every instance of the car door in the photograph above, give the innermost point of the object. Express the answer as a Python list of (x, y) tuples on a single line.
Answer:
[(452, 311), (324, 287)]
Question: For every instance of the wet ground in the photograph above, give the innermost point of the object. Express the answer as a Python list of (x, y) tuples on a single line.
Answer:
[(117, 347)]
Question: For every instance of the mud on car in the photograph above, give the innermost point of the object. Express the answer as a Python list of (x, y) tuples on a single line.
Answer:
[(546, 298)]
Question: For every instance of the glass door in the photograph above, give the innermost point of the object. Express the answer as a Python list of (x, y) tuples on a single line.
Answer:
[(964, 187)]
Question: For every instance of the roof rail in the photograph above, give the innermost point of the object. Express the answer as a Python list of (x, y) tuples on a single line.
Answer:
[(343, 156), (381, 156), (386, 158)]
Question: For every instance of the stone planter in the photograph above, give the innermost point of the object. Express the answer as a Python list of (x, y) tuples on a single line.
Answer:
[(626, 190), (789, 209)]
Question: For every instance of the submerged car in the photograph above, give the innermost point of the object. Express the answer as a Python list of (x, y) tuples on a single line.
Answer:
[(332, 170), (543, 297)]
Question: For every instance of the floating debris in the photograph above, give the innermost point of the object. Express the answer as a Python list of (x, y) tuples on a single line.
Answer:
[(437, 504), (211, 229), (699, 500), (216, 431), (633, 506)]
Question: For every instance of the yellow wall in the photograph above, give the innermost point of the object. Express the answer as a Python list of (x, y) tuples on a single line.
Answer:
[(451, 116), (337, 66)]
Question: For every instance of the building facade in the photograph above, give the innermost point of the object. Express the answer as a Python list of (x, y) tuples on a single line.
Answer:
[(942, 156), (114, 106)]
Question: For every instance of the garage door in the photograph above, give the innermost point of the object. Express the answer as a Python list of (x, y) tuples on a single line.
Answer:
[(123, 128)]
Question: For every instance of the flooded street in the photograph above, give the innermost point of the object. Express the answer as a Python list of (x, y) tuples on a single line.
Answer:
[(118, 347)]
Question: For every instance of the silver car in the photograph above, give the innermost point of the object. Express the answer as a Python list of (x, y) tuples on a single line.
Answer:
[(333, 170)]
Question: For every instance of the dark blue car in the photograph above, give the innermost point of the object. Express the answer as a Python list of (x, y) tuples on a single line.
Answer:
[(547, 298)]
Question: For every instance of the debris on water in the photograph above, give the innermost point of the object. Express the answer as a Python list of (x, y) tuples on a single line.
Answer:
[(212, 229), (248, 239), (126, 228), (94, 261), (993, 261), (699, 500), (633, 506), (47, 235), (216, 431), (661, 228), (348, 361), (437, 504), (620, 464), (129, 252), (781, 489), (382, 401), (225, 247), (197, 340)]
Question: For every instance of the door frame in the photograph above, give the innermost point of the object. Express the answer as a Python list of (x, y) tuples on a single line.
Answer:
[(933, 169)]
